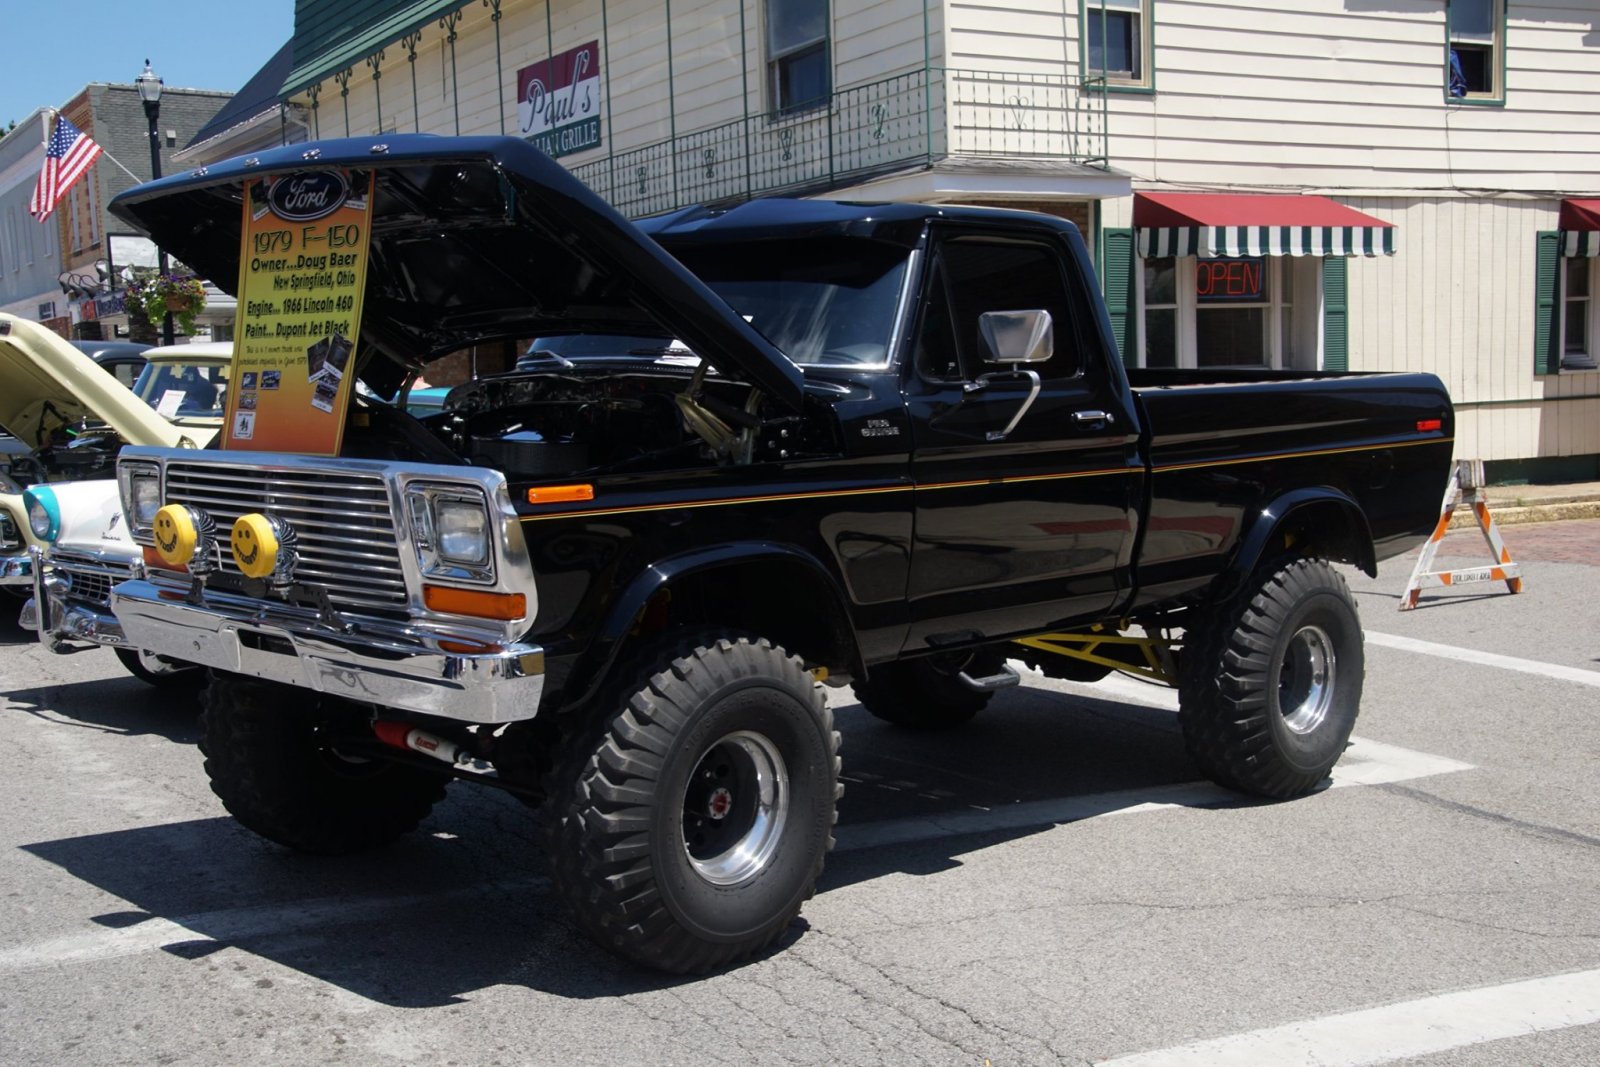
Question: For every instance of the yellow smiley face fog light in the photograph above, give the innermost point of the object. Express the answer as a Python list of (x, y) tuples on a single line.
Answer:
[(176, 533), (255, 545)]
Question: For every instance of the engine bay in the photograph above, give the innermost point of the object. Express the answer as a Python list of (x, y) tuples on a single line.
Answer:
[(65, 454), (591, 420)]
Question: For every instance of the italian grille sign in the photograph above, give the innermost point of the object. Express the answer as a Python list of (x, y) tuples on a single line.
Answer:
[(302, 270), (558, 101)]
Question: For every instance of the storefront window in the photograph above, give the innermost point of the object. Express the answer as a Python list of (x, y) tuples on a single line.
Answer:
[(1229, 312), (1232, 298)]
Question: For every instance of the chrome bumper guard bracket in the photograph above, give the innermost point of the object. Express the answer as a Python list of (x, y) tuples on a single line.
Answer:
[(481, 687), (60, 624)]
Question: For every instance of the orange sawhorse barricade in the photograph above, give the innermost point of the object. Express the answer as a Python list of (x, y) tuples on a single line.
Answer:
[(1466, 487)]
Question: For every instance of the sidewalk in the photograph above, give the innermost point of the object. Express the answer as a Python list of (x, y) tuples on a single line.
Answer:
[(1511, 504)]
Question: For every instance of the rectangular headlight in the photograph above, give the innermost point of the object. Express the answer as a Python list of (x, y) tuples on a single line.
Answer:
[(461, 530), (140, 485), (452, 529)]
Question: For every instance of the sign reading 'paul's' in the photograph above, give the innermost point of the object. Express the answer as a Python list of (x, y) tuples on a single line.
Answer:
[(302, 270), (558, 101)]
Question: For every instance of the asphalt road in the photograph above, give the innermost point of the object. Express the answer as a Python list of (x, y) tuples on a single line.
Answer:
[(1051, 884)]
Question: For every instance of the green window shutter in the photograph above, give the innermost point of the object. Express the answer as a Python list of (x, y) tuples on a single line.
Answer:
[(1546, 327), (1335, 314), (1116, 278)]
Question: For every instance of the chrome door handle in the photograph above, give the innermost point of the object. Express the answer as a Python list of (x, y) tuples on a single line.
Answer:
[(1092, 418)]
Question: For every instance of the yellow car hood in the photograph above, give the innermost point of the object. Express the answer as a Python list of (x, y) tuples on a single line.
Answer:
[(45, 383)]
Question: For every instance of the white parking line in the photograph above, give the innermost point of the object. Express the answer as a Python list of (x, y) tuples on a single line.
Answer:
[(1398, 1031), (1485, 659), (1364, 763)]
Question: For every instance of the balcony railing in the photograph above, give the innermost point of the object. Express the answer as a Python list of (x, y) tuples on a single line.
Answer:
[(884, 126)]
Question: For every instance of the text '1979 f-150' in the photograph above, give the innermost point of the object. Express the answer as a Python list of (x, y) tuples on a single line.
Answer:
[(755, 451)]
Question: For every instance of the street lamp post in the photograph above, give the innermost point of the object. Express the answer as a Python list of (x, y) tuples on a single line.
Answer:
[(150, 93)]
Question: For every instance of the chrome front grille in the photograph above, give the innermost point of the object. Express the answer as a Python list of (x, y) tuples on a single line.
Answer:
[(89, 578), (343, 522)]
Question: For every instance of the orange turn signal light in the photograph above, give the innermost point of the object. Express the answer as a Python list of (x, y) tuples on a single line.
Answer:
[(560, 494), (152, 558), (1429, 425), (475, 602)]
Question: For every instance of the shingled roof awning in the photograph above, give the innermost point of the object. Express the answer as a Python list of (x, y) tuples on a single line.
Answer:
[(1580, 228), (332, 35), (1234, 224)]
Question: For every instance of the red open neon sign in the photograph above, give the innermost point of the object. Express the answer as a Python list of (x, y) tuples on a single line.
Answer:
[(1231, 281)]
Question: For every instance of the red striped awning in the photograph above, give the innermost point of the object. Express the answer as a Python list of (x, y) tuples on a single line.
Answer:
[(1580, 228), (1235, 224)]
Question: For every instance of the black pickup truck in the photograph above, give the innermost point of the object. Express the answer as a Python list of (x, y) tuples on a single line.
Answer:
[(756, 451)]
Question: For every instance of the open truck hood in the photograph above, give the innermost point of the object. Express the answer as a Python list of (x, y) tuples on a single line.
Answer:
[(46, 382), (473, 239)]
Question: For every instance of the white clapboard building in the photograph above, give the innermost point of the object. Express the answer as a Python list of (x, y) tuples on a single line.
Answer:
[(1334, 184)]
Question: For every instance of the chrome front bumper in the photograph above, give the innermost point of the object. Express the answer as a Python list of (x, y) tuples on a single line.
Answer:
[(281, 643), (16, 569)]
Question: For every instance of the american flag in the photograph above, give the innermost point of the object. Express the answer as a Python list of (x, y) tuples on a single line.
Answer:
[(69, 154)]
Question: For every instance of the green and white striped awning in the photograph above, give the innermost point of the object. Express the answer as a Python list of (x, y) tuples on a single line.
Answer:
[(1580, 244), (1580, 228), (1211, 225)]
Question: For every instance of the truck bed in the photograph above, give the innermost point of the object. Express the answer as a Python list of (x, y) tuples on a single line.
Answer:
[(1223, 445)]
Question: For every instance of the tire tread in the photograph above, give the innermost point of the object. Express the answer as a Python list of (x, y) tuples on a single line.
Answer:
[(598, 823), (1222, 679)]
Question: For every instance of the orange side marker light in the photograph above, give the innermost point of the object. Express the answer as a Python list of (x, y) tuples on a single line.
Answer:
[(560, 494)]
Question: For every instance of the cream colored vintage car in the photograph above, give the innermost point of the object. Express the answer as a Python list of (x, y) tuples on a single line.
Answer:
[(62, 540), (70, 417)]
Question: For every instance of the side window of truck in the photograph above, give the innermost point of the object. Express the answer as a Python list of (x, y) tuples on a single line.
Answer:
[(972, 275)]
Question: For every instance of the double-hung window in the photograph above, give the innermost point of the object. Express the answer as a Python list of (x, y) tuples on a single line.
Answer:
[(1116, 41), (799, 69), (1577, 314), (1475, 67)]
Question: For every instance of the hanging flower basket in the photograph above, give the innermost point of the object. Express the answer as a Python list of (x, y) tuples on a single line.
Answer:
[(181, 296)]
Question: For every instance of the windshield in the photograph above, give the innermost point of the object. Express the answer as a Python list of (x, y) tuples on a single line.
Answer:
[(828, 302), (184, 390)]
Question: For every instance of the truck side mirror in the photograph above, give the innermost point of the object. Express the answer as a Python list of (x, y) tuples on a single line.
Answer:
[(1014, 338), (1018, 336)]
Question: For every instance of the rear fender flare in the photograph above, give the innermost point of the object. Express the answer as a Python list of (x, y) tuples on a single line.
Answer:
[(600, 656), (1339, 521)]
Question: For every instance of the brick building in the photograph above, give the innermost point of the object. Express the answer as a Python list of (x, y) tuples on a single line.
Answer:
[(114, 116)]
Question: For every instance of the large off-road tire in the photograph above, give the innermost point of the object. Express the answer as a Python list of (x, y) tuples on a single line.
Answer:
[(160, 673), (927, 693), (270, 758), (1270, 680), (689, 821)]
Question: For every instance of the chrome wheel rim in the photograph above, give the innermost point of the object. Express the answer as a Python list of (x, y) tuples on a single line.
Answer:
[(1306, 680), (735, 806)]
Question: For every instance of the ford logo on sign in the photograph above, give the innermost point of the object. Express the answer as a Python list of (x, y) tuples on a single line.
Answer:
[(308, 195)]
